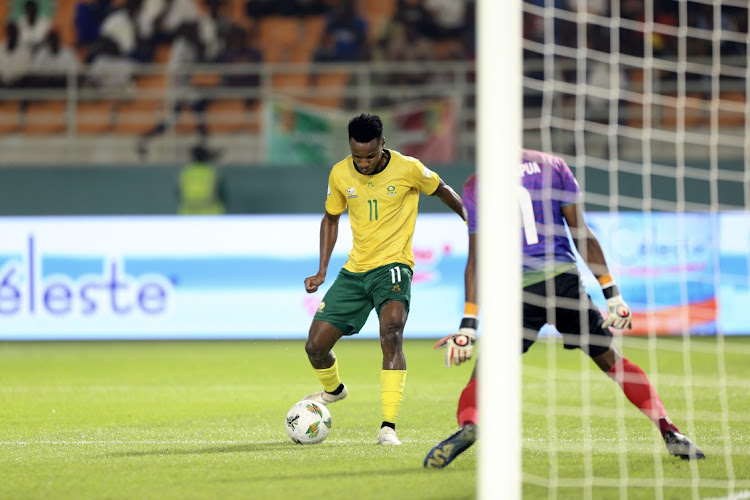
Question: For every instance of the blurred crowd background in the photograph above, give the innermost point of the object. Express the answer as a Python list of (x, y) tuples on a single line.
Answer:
[(128, 81)]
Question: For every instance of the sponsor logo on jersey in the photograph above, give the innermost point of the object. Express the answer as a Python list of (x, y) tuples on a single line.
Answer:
[(351, 192), (427, 172), (329, 190), (391, 190), (321, 306)]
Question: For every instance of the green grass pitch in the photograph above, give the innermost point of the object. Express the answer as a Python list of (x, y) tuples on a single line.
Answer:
[(206, 420)]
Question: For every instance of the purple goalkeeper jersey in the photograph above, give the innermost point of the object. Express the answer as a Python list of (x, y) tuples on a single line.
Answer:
[(547, 184)]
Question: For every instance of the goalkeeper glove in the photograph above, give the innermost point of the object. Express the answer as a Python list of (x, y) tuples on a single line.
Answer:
[(460, 345), (618, 312)]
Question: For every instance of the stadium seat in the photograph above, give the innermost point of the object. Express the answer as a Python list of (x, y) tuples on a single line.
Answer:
[(94, 117), (206, 80), (45, 118), (161, 53), (289, 81), (136, 116), (376, 12), (226, 116), (332, 81), (9, 117), (305, 49), (63, 21), (278, 36), (695, 112), (732, 109)]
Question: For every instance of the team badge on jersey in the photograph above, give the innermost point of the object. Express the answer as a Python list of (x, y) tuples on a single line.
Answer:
[(351, 192), (396, 288), (391, 190)]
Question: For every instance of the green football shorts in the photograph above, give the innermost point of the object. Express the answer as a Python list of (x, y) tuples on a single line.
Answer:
[(348, 302)]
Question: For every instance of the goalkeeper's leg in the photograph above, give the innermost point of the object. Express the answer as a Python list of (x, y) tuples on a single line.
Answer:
[(468, 418), (639, 391)]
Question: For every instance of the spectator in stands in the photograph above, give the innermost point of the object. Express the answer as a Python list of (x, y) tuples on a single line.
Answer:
[(32, 28), (221, 20), (595, 7), (302, 10), (89, 16), (631, 40), (736, 20), (406, 44), (344, 37), (112, 64), (259, 9), (448, 18), (240, 49), (414, 13), (52, 63), (15, 59), (187, 49), (118, 32), (666, 14)]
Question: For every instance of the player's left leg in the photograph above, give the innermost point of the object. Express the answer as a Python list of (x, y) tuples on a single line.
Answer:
[(393, 374), (390, 287)]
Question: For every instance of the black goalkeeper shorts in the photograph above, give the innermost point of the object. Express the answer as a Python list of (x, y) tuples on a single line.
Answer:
[(563, 302)]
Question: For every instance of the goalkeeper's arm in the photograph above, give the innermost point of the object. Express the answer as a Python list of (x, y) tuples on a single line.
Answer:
[(460, 345), (618, 312)]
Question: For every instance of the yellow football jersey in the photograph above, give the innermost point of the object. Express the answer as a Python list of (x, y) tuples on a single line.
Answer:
[(382, 208)]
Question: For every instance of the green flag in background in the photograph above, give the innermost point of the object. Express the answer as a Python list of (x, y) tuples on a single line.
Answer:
[(301, 135)]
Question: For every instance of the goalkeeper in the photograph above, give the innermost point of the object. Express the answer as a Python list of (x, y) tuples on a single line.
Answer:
[(550, 201)]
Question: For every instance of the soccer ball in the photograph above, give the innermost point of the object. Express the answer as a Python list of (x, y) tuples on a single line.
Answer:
[(308, 422)]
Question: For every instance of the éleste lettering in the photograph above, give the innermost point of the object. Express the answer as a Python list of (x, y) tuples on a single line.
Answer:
[(23, 291)]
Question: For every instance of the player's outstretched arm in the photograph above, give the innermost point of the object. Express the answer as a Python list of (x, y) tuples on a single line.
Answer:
[(618, 312), (459, 346), (329, 233), (451, 199)]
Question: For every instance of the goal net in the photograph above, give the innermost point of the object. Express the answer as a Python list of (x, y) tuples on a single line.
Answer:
[(646, 100)]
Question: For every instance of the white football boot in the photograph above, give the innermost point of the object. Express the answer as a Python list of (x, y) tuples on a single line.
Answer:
[(387, 436), (325, 398)]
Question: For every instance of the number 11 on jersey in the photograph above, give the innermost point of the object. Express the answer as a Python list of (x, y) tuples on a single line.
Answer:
[(373, 209)]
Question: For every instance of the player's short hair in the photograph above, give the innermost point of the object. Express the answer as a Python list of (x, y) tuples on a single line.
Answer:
[(365, 127)]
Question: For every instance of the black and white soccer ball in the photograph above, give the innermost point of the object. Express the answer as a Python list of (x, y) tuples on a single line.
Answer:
[(308, 422)]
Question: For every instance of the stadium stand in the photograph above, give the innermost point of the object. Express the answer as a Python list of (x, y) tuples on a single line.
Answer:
[(287, 45)]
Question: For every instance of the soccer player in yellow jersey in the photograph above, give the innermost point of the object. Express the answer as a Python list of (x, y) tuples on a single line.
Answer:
[(380, 188)]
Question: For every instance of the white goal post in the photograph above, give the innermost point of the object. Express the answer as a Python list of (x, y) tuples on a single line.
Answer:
[(647, 101), (499, 141)]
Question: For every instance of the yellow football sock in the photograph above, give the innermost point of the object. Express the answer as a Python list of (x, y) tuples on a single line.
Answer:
[(329, 377), (392, 383)]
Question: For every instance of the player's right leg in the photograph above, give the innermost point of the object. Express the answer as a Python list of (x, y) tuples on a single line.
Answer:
[(320, 341), (343, 311)]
